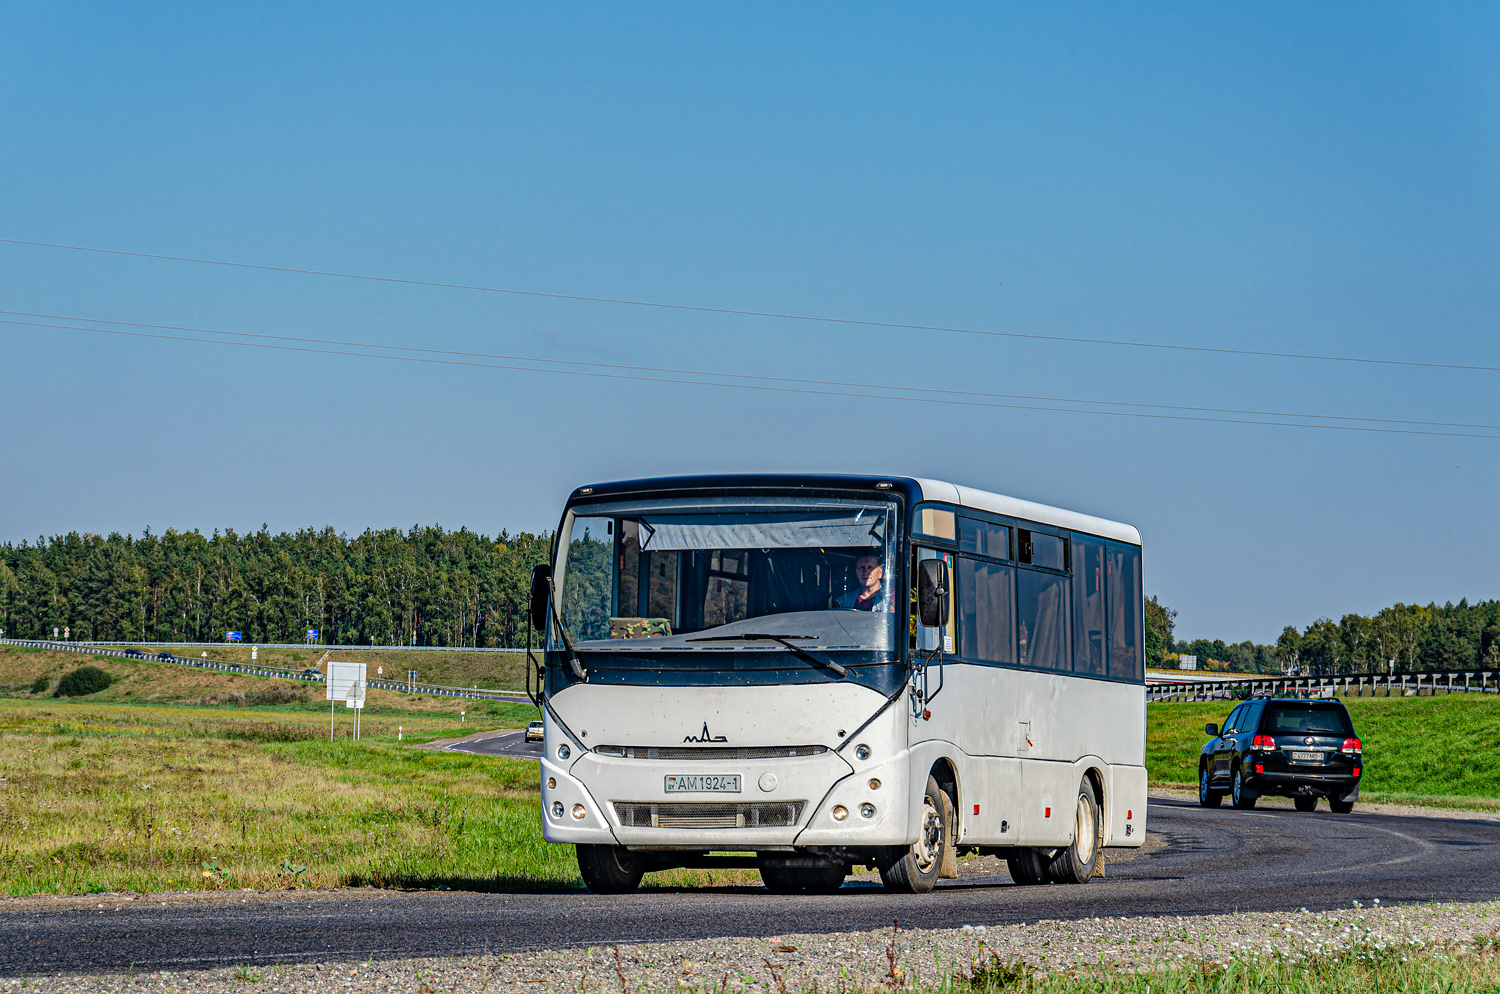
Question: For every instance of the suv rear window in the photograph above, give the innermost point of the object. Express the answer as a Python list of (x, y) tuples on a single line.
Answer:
[(1288, 718)]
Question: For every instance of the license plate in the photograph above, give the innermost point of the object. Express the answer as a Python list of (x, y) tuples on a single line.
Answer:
[(1307, 757), (714, 783)]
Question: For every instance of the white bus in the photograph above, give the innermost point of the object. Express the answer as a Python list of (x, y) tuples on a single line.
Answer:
[(803, 674)]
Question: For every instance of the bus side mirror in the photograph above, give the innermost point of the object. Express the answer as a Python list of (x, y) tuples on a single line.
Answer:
[(1211, 728), (932, 592), (541, 587)]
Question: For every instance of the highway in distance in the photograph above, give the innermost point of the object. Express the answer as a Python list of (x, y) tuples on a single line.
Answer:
[(1212, 861)]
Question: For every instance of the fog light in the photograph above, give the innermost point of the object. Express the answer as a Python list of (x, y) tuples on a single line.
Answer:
[(557, 809), (874, 784), (563, 752), (579, 811), (861, 752), (552, 783), (867, 810), (839, 812)]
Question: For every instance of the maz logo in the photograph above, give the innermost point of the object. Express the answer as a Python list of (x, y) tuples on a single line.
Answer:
[(705, 736)]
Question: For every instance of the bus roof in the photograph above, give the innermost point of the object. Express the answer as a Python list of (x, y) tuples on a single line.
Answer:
[(916, 489)]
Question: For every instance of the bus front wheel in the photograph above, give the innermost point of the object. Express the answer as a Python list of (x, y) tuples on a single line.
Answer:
[(610, 869), (916, 872)]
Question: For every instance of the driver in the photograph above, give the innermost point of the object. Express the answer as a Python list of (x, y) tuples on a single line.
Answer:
[(871, 575)]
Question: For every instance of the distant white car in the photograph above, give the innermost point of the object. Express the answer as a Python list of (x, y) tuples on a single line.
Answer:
[(534, 732)]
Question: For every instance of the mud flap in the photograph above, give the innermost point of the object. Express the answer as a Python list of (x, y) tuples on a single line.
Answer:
[(948, 867)]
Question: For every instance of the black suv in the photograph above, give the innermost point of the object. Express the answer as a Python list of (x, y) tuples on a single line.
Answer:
[(1295, 748)]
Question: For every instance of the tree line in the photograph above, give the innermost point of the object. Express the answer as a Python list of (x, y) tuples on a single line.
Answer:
[(425, 586), (1403, 638)]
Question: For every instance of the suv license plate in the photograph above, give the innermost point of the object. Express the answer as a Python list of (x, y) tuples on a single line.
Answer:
[(715, 783), (1307, 757)]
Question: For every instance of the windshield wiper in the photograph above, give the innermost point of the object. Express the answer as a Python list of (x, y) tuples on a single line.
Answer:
[(782, 640)]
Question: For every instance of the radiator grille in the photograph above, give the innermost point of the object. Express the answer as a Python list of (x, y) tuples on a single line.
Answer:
[(709, 752), (708, 815)]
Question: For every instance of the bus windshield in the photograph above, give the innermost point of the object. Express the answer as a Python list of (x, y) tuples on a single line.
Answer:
[(694, 574)]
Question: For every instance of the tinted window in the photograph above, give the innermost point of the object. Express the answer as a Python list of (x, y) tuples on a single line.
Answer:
[(934, 522), (1231, 724), (1288, 718), (986, 598), (1123, 587), (1089, 605), (1042, 550), (984, 537), (1042, 620)]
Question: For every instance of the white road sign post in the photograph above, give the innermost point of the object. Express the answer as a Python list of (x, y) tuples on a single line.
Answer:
[(345, 682)]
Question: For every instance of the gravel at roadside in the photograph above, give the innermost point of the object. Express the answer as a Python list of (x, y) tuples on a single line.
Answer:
[(837, 961)]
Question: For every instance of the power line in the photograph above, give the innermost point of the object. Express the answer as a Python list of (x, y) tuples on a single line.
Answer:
[(745, 376), (765, 387), (775, 315)]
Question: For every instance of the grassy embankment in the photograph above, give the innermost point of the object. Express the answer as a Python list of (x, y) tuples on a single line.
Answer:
[(1434, 751), (1366, 968), (486, 670), (175, 778)]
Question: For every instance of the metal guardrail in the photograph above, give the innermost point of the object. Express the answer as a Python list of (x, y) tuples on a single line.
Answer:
[(1353, 684), (303, 645), (252, 669)]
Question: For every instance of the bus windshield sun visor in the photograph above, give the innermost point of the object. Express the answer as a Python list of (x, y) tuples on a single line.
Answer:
[(686, 532)]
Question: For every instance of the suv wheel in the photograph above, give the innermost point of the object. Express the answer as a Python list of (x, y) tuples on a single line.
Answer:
[(1240, 799), (1207, 797)]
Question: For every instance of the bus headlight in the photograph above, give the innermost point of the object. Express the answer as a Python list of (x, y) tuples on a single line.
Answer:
[(552, 783), (557, 809), (579, 811), (839, 812), (874, 784), (867, 810), (861, 752), (563, 752)]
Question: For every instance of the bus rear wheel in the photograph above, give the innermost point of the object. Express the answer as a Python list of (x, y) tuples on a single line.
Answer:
[(916, 872), (610, 869), (1074, 864)]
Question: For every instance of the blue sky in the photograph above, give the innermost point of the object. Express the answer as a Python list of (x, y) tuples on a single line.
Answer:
[(1314, 180)]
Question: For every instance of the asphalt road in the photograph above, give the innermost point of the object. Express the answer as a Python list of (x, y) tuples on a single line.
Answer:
[(501, 744), (1213, 861)]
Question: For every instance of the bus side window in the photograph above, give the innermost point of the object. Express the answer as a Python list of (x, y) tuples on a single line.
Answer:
[(986, 611), (1088, 605), (928, 639), (1123, 587)]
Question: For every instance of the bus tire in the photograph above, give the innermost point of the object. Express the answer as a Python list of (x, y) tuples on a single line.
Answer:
[(1074, 864), (609, 869), (803, 879), (1028, 866), (916, 872)]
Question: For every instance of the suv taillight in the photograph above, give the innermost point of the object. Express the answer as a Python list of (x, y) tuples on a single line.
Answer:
[(1263, 742), (1352, 746)]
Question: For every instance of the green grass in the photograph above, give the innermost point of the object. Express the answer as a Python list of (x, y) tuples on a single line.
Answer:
[(112, 797), (1469, 968), (1418, 750)]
